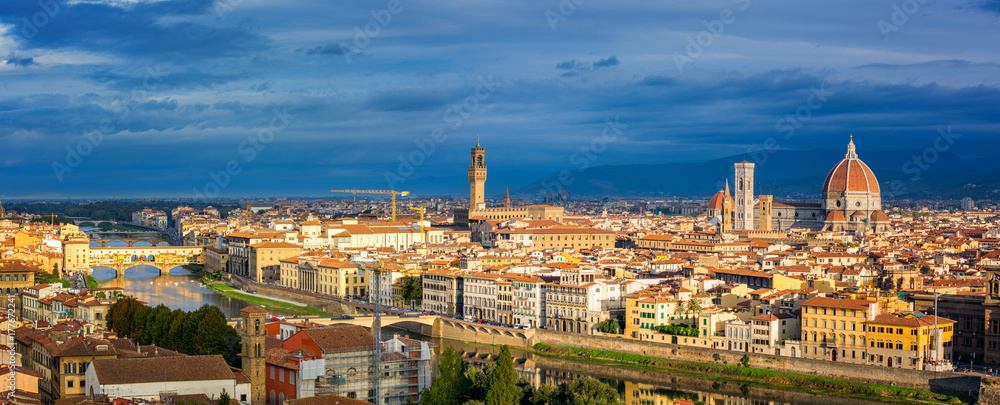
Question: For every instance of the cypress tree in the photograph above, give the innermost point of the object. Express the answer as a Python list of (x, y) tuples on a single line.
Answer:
[(502, 381)]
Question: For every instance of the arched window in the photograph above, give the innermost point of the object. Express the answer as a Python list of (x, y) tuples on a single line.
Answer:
[(256, 326), (271, 401), (281, 398)]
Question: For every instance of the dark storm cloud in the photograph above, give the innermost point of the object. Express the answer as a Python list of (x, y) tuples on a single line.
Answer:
[(951, 63), (328, 49), (581, 66), (136, 31), (219, 82), (655, 80), (607, 62), (155, 76), (20, 62), (988, 5)]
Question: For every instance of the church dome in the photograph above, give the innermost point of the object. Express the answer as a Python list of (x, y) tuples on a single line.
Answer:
[(716, 202), (879, 216), (851, 175), (858, 215), (721, 197), (835, 216)]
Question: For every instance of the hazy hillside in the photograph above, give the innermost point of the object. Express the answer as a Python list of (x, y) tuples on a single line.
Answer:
[(795, 174)]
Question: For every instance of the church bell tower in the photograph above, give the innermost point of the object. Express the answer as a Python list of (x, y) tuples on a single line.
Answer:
[(253, 334), (477, 178), (744, 195)]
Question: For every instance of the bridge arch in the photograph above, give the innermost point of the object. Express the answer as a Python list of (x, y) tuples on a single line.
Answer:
[(121, 270)]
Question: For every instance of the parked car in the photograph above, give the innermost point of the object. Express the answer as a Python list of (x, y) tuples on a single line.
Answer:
[(345, 317)]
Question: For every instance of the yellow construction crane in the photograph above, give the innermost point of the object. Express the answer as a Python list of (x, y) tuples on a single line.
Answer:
[(392, 193), (52, 218), (423, 232)]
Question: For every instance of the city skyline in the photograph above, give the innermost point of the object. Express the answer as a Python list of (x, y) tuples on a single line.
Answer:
[(292, 100)]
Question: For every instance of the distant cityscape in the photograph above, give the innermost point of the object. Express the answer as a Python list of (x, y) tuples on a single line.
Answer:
[(794, 284), (555, 202)]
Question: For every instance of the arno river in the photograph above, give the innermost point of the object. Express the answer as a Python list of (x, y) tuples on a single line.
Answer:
[(180, 289)]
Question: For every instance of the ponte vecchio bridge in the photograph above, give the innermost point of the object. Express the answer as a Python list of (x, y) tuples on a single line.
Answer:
[(121, 259)]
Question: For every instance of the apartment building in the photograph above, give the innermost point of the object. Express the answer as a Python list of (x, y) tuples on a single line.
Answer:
[(479, 292), (834, 329), (910, 340), (442, 291)]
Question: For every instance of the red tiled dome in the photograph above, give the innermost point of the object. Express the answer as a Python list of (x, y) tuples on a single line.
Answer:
[(851, 175), (858, 214), (716, 202), (835, 216), (879, 216)]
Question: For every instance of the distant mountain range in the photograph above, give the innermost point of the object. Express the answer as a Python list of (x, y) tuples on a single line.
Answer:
[(786, 175)]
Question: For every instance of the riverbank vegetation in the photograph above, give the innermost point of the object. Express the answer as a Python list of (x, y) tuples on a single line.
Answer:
[(679, 330), (744, 374), (458, 384), (201, 332), (231, 292)]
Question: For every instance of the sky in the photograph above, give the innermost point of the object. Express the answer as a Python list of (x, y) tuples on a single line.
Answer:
[(230, 98)]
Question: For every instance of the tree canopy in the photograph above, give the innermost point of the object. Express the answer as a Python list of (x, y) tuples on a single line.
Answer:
[(201, 332)]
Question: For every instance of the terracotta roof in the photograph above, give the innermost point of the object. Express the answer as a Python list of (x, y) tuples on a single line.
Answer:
[(275, 245), (835, 216), (253, 309), (922, 321), (851, 174), (716, 202), (824, 302), (340, 338), (879, 216), (162, 369), (739, 272)]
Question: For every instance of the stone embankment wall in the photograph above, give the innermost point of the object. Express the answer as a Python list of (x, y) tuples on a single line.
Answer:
[(989, 392), (944, 382)]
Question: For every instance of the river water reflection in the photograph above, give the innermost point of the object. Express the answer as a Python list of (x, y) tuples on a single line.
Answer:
[(178, 289), (641, 387)]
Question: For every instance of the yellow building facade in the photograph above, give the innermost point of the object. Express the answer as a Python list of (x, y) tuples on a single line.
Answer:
[(834, 329), (909, 340)]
